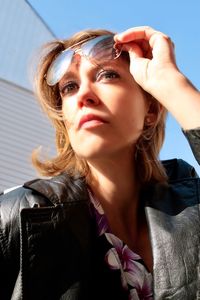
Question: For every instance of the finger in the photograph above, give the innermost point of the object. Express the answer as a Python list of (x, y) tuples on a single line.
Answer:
[(136, 33), (158, 36), (162, 44), (155, 43)]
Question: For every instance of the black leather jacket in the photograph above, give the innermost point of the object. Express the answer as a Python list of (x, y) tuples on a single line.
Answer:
[(49, 249)]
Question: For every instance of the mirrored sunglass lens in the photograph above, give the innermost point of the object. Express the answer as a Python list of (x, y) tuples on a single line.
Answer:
[(59, 67), (100, 48)]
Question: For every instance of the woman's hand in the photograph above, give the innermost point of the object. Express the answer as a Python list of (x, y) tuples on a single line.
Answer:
[(153, 66), (151, 55)]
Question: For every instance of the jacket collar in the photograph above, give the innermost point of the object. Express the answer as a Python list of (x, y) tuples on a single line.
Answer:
[(60, 189), (170, 210), (65, 188)]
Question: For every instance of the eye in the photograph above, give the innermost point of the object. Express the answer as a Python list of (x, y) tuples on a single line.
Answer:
[(68, 88), (107, 75)]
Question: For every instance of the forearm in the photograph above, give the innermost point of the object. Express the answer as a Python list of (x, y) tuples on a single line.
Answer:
[(181, 99)]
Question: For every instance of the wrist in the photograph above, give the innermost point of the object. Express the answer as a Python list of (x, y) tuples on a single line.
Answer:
[(177, 94), (166, 85)]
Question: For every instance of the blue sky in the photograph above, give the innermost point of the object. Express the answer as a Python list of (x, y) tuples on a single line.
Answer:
[(180, 19)]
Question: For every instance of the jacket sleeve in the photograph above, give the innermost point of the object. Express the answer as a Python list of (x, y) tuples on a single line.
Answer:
[(9, 263), (10, 202), (193, 137)]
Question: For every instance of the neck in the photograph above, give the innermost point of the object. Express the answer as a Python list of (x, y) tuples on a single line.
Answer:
[(115, 184), (117, 189)]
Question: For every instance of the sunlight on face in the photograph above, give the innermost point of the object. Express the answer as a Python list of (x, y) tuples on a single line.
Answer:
[(103, 107)]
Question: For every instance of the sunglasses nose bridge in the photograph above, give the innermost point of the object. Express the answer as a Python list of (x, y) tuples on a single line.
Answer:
[(78, 51)]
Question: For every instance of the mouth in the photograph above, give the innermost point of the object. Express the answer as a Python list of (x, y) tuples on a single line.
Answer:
[(90, 121)]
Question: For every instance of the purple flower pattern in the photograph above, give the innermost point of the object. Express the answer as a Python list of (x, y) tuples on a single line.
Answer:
[(134, 276)]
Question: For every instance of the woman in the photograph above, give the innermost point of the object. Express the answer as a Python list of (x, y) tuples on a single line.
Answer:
[(113, 222)]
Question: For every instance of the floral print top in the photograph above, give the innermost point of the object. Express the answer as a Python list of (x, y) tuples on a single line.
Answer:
[(135, 278)]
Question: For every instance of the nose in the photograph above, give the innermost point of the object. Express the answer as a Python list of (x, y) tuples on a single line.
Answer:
[(86, 95)]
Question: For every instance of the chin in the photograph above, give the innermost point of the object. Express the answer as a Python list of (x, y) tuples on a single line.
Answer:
[(91, 151), (89, 155)]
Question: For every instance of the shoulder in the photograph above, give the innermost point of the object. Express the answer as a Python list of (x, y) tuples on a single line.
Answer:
[(12, 202), (181, 190), (14, 197), (38, 193), (41, 193), (178, 169)]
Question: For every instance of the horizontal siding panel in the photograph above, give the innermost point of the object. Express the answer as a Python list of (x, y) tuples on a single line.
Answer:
[(22, 129), (18, 170), (23, 151), (27, 100), (20, 173), (25, 93), (13, 115), (15, 178), (10, 183), (11, 162), (23, 125), (16, 146), (19, 146), (14, 152), (22, 107), (18, 150), (29, 129), (6, 184), (16, 139), (24, 110)]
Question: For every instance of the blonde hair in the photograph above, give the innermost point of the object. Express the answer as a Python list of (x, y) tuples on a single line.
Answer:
[(148, 166)]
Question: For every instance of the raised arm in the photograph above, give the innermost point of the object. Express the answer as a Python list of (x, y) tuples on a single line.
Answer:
[(153, 66)]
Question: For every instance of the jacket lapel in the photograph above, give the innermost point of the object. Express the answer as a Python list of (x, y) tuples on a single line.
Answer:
[(56, 239), (174, 223), (173, 217)]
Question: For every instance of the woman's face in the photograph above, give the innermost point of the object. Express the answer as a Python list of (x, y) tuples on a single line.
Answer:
[(103, 107)]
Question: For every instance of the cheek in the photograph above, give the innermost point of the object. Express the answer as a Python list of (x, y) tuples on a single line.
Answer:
[(133, 113), (65, 109), (69, 113), (132, 106), (72, 135)]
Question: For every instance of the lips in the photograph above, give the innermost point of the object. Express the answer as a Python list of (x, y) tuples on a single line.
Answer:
[(90, 120)]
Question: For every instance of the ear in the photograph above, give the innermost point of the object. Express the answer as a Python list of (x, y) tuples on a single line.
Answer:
[(153, 112)]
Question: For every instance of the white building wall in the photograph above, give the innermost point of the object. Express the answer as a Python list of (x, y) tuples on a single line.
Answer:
[(21, 33), (23, 127)]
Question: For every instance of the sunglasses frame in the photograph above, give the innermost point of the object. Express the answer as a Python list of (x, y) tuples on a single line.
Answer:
[(52, 79)]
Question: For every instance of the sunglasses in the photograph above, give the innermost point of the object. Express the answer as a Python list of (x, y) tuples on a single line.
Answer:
[(100, 49)]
